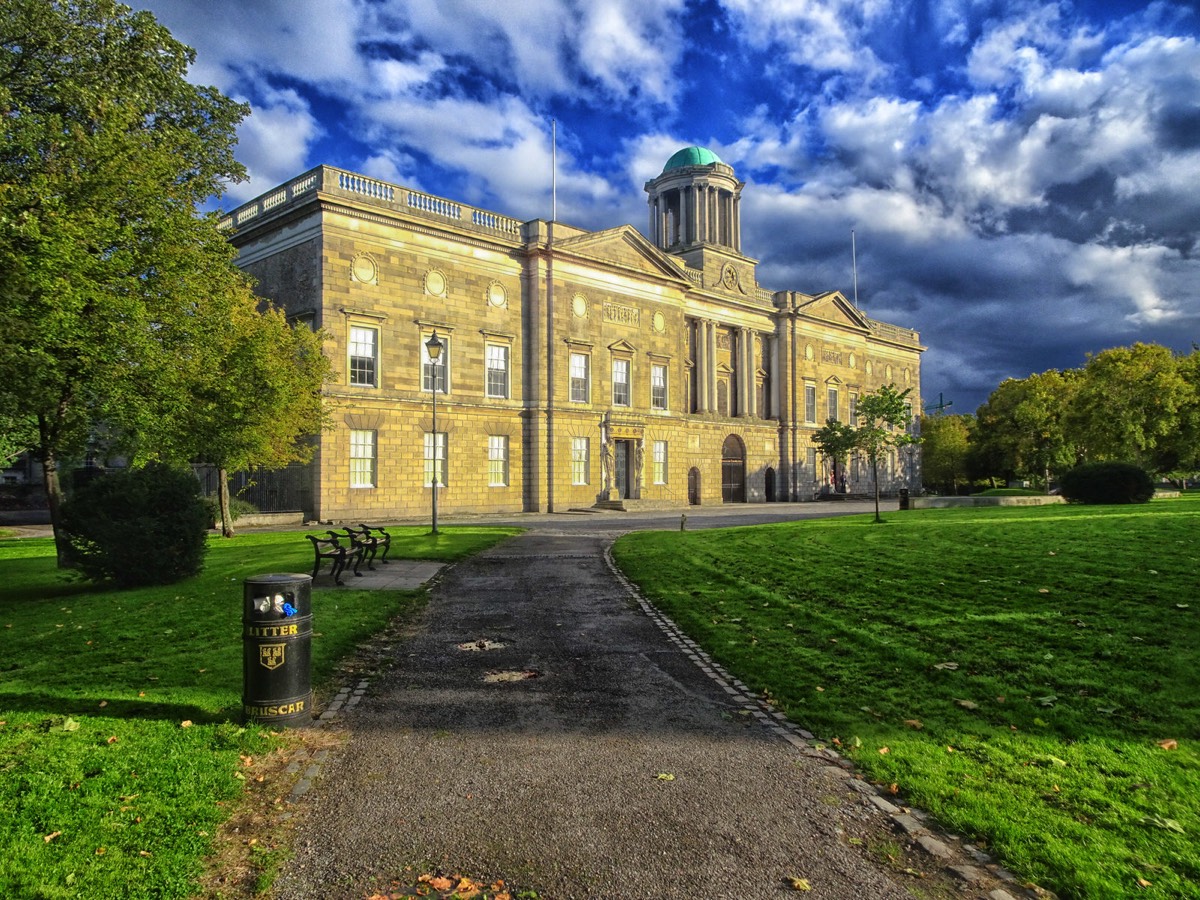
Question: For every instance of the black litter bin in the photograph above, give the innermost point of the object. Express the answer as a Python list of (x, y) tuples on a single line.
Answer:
[(277, 649), (904, 498)]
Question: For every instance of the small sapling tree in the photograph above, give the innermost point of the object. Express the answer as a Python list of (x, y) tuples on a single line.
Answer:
[(835, 440), (883, 419)]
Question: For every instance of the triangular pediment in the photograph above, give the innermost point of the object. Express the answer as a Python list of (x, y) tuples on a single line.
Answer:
[(833, 307), (623, 247), (622, 347)]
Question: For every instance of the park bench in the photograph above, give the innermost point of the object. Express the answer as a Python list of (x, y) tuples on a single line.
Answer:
[(333, 549), (369, 542)]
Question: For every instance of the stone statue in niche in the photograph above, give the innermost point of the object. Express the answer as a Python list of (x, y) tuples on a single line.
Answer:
[(607, 465), (639, 460)]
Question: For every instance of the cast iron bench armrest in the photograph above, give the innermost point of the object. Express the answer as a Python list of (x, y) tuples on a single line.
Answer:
[(364, 545), (382, 539), (329, 548)]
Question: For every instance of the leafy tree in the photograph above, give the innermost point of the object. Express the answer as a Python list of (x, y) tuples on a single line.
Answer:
[(1130, 404), (835, 440), (244, 390), (945, 442), (106, 150), (1022, 428), (1183, 457), (16, 436), (883, 419)]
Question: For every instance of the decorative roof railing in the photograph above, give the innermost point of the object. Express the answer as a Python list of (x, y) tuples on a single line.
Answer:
[(895, 332), (332, 181)]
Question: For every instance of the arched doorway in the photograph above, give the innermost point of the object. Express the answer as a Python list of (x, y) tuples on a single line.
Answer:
[(733, 470), (769, 486), (694, 486)]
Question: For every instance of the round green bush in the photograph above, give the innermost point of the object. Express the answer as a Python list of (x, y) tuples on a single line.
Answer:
[(138, 527), (1107, 482)]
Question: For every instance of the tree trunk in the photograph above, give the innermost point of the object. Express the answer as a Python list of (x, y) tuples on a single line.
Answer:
[(54, 500), (223, 501), (875, 478)]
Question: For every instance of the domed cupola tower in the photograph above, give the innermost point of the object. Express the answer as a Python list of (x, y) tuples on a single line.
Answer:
[(694, 203)]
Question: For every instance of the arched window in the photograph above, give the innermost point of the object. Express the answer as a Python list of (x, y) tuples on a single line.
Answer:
[(733, 470)]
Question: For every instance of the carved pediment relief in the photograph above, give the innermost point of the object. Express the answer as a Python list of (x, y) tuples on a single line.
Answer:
[(835, 308), (625, 247)]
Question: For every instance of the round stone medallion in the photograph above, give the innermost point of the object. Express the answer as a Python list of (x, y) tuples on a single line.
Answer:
[(363, 269), (496, 295), (659, 321), (579, 306), (435, 283)]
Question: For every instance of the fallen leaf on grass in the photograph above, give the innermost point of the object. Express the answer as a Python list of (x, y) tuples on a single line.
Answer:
[(112, 740), (1165, 824), (51, 836), (186, 723), (967, 704), (951, 666), (914, 723), (70, 725), (799, 884), (884, 751), (1043, 590), (1169, 744)]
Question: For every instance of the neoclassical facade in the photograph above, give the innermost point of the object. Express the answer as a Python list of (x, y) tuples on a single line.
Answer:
[(572, 368)]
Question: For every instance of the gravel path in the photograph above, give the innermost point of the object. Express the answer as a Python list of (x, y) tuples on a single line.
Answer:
[(553, 782)]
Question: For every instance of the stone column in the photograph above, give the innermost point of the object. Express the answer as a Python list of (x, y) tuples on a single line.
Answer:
[(737, 223), (685, 199), (712, 366), (751, 391)]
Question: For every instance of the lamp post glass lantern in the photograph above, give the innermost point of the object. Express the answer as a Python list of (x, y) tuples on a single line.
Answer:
[(433, 347)]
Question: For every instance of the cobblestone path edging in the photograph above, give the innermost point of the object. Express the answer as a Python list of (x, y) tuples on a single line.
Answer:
[(967, 863)]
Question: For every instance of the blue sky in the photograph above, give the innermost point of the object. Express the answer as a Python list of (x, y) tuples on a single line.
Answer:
[(1023, 178)]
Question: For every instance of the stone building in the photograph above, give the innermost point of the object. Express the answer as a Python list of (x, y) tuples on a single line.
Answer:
[(577, 367)]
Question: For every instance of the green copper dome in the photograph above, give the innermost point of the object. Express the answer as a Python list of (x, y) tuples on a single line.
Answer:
[(691, 156)]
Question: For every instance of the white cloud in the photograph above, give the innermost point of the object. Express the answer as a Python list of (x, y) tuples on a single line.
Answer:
[(238, 42), (274, 142), (1128, 275), (825, 35)]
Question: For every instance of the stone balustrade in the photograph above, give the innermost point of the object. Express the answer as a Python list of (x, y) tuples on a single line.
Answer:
[(330, 180)]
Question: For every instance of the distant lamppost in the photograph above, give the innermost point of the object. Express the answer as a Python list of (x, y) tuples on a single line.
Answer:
[(433, 347)]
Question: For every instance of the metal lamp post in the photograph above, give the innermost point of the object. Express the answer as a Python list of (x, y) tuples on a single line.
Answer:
[(433, 347)]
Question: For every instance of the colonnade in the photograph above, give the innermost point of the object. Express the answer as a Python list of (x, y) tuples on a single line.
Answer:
[(694, 214), (744, 401)]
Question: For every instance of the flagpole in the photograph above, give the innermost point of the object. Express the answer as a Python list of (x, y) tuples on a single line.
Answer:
[(854, 265)]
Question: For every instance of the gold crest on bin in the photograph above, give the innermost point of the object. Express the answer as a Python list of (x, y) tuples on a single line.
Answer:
[(271, 656)]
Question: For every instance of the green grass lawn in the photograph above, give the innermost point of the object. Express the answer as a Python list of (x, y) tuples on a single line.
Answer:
[(105, 792), (1029, 675)]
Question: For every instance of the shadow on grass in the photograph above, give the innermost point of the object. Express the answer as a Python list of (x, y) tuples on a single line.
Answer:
[(51, 705)]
